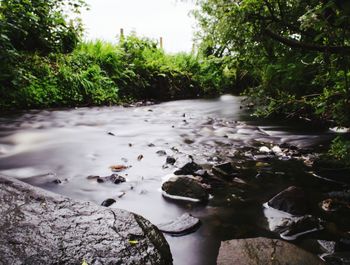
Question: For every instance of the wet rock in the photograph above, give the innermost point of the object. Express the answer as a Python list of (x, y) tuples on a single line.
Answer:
[(338, 258), (264, 149), (182, 225), (339, 200), (161, 153), (183, 188), (188, 169), (277, 150), (39, 227), (170, 160), (301, 226), (328, 246), (292, 200), (114, 178), (108, 202), (57, 181), (93, 177), (225, 170), (264, 251)]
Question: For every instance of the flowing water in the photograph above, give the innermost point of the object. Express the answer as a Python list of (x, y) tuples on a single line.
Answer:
[(40, 147)]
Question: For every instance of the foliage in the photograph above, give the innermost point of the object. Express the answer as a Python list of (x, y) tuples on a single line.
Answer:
[(296, 54), (39, 25), (340, 149)]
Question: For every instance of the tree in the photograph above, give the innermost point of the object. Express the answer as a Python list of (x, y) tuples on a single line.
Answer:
[(297, 50), (39, 25)]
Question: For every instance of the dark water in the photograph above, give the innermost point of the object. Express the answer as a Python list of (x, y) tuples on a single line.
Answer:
[(41, 146)]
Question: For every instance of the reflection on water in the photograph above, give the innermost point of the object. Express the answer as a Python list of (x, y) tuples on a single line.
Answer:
[(41, 147)]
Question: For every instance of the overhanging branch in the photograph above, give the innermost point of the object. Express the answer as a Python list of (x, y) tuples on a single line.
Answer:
[(307, 46)]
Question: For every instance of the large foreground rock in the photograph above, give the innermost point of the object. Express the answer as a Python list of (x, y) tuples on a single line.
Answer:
[(38, 227), (264, 251)]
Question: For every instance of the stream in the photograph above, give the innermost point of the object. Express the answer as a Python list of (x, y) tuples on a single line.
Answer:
[(59, 149)]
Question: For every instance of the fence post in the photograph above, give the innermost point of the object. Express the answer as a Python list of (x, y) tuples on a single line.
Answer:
[(161, 42), (121, 38)]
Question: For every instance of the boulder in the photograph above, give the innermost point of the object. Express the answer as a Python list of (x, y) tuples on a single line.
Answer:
[(39, 227), (183, 187), (292, 200), (182, 225), (264, 251)]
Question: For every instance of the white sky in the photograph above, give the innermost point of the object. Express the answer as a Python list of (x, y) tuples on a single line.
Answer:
[(149, 18)]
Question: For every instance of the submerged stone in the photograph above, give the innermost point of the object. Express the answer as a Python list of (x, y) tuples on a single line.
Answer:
[(182, 225), (114, 178), (170, 160), (108, 202)]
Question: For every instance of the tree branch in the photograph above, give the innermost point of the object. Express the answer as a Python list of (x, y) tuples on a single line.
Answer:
[(307, 46)]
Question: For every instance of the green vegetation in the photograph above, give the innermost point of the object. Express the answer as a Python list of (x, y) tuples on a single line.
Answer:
[(45, 65), (296, 54)]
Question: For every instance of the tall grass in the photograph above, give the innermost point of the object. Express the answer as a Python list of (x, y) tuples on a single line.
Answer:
[(101, 73)]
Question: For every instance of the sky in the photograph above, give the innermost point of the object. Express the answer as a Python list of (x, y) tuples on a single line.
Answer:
[(168, 19)]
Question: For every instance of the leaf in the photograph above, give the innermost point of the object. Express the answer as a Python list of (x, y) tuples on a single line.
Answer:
[(118, 168), (133, 242)]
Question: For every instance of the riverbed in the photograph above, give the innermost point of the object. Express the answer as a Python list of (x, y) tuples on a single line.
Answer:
[(59, 149)]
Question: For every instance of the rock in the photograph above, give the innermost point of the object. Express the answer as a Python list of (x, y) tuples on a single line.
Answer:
[(114, 178), (301, 226), (108, 202), (277, 150), (225, 170), (338, 258), (328, 246), (39, 227), (264, 251), (93, 177), (264, 149), (185, 188), (170, 160), (188, 169), (182, 225), (291, 200), (57, 181), (161, 153)]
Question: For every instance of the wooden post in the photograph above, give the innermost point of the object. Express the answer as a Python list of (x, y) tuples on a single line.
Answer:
[(121, 38), (161, 42)]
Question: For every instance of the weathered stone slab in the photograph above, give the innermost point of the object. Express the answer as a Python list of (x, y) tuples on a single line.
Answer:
[(182, 225), (39, 227), (264, 251)]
